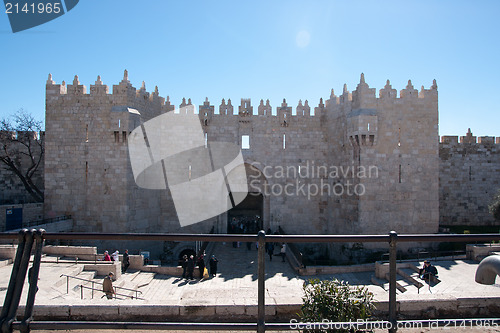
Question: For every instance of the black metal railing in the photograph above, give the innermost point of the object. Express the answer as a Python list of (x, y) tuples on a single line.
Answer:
[(299, 257), (27, 239), (205, 244), (94, 282), (115, 294), (46, 221)]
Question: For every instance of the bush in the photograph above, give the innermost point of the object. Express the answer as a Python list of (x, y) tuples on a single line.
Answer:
[(335, 301), (494, 207)]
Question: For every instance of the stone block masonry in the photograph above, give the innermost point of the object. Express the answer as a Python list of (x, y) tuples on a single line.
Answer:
[(354, 164), (469, 177)]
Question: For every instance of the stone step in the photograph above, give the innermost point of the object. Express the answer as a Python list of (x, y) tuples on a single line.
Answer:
[(409, 275), (143, 279)]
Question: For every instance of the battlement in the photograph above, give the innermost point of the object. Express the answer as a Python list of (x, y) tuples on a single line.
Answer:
[(19, 135), (125, 94), (469, 139)]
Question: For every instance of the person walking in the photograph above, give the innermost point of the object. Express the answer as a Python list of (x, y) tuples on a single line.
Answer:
[(107, 286), (213, 265), (125, 262)]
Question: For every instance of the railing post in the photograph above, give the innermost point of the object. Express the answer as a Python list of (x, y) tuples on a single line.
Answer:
[(393, 238), (33, 274), (18, 289), (261, 309), (92, 289), (13, 277), (67, 284), (81, 291)]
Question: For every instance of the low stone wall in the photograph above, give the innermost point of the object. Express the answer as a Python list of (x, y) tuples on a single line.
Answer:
[(477, 252), (82, 252), (382, 269), (103, 268), (317, 270), (8, 251), (425, 307)]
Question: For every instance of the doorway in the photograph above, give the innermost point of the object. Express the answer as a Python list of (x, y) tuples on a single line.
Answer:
[(246, 217)]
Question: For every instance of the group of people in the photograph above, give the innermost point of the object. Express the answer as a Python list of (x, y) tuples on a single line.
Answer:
[(188, 264), (270, 251), (115, 256), (244, 225)]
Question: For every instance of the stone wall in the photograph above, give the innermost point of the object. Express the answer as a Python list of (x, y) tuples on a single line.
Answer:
[(305, 161), (469, 177)]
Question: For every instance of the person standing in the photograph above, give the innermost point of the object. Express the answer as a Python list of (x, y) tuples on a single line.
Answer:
[(190, 267), (184, 262), (125, 262), (107, 286), (106, 256), (213, 265), (270, 250), (283, 251), (201, 264)]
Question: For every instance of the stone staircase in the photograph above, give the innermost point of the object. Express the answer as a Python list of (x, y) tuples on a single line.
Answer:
[(407, 280)]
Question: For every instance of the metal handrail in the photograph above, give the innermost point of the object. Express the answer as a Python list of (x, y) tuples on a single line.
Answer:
[(295, 251), (115, 293), (46, 221), (392, 238), (93, 282)]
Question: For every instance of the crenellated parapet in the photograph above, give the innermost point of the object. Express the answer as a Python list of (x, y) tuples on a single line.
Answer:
[(151, 104), (123, 94), (468, 139)]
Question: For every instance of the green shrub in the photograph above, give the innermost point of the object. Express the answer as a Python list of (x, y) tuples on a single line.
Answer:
[(335, 301), (494, 207)]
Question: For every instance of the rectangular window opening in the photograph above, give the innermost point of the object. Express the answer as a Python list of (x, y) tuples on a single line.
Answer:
[(119, 123), (86, 133), (284, 141), (400, 173), (86, 171), (189, 173), (245, 142), (117, 136), (206, 139), (124, 136)]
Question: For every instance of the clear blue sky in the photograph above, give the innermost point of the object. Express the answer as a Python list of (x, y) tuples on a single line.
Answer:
[(266, 49)]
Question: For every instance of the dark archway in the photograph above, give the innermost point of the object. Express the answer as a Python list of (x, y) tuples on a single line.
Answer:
[(246, 217)]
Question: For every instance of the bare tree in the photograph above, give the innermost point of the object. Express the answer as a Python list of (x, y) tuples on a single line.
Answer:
[(22, 149)]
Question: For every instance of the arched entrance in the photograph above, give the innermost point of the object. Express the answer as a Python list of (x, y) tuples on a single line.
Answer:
[(246, 217), (251, 214)]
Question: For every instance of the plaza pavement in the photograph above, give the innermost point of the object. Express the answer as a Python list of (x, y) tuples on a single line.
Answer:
[(233, 293)]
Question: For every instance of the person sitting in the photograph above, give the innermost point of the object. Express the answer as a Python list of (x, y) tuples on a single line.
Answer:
[(427, 271)]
